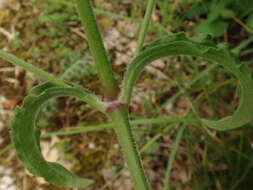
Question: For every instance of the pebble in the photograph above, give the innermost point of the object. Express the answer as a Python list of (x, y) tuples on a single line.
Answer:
[(6, 181), (2, 3)]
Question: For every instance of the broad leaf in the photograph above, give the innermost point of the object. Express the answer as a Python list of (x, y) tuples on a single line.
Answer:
[(214, 28)]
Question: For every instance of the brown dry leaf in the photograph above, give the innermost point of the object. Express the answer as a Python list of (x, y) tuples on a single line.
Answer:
[(183, 176), (11, 104)]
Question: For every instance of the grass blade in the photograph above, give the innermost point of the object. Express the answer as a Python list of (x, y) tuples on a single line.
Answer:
[(172, 157)]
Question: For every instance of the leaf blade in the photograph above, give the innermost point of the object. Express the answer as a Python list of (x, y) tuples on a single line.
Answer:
[(178, 44), (25, 136)]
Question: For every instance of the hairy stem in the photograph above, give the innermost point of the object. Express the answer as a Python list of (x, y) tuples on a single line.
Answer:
[(38, 72), (144, 26), (121, 124), (97, 48), (118, 115)]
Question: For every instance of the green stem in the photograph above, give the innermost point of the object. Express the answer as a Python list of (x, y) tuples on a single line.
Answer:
[(72, 130), (144, 26), (155, 138), (119, 116), (242, 45), (97, 48), (120, 120), (40, 73), (172, 158), (165, 12), (246, 52), (6, 149)]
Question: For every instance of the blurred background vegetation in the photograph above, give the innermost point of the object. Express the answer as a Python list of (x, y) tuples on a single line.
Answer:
[(170, 92)]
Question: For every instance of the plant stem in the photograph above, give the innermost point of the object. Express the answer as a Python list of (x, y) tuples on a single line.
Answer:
[(72, 130), (242, 24), (172, 158), (97, 48), (144, 26), (38, 72), (122, 128), (242, 45), (156, 137), (6, 149), (165, 12)]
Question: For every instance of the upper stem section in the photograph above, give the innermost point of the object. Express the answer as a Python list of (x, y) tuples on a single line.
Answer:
[(97, 48), (144, 26)]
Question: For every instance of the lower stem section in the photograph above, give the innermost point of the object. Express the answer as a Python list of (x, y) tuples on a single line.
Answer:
[(123, 130)]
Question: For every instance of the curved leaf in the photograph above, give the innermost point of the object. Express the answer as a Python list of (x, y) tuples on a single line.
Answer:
[(178, 44), (26, 137)]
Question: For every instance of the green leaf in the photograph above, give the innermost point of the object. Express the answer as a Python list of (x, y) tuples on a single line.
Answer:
[(249, 22), (216, 8), (215, 28), (178, 44), (26, 137), (227, 14), (214, 25), (56, 18)]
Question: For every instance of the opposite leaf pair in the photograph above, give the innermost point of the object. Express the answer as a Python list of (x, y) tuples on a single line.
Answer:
[(26, 136)]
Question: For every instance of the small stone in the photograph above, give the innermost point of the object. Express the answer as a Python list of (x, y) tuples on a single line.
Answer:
[(158, 64), (2, 2), (11, 188), (92, 145), (7, 179)]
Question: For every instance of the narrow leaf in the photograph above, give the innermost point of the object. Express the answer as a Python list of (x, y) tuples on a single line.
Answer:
[(178, 44), (26, 137)]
